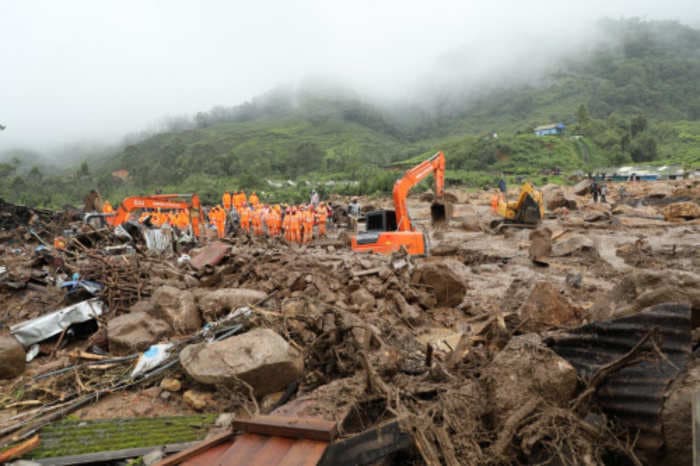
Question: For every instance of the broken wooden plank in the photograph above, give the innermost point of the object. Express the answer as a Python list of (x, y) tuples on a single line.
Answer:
[(362, 273), (20, 449), (296, 427)]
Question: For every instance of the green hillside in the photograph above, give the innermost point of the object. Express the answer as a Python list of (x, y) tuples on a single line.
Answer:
[(630, 96)]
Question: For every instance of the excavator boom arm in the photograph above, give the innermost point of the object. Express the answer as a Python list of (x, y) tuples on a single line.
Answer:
[(436, 165), (161, 201)]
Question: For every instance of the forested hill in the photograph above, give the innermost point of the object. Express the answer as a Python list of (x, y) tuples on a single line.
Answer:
[(630, 95)]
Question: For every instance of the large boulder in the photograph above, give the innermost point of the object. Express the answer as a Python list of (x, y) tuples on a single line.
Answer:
[(644, 288), (558, 199), (260, 357), (582, 187), (573, 245), (12, 358), (443, 280), (681, 211), (546, 307), (135, 332), (526, 369), (540, 244), (177, 308), (677, 417), (363, 299), (214, 304)]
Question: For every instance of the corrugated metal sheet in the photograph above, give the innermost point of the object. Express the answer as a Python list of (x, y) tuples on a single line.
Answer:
[(157, 239), (252, 449), (262, 450), (208, 457), (634, 394)]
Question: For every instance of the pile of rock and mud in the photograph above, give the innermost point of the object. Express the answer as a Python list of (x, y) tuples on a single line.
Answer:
[(497, 349)]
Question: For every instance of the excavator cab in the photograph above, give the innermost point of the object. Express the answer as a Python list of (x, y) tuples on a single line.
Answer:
[(382, 237)]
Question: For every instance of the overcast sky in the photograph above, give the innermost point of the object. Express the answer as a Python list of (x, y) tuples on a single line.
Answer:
[(96, 69)]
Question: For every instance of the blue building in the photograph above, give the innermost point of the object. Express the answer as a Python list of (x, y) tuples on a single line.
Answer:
[(550, 130)]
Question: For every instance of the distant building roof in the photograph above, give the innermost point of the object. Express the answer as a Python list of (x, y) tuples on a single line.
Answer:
[(551, 126), (642, 170)]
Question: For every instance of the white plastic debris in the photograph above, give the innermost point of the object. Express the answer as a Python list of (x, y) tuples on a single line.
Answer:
[(48, 325), (32, 352), (152, 358)]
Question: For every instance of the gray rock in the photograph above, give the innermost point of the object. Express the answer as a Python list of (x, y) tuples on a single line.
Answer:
[(153, 457), (214, 304), (177, 308), (12, 358), (574, 280), (527, 369), (261, 358), (363, 299), (545, 307), (134, 332), (144, 305), (443, 280)]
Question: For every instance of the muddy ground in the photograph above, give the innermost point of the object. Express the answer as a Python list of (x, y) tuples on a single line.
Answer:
[(433, 340)]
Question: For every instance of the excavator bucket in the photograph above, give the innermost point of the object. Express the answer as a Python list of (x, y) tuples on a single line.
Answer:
[(440, 212)]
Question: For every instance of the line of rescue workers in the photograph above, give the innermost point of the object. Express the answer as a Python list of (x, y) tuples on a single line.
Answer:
[(295, 222)]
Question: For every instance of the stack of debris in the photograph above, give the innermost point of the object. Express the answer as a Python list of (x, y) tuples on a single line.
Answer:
[(339, 358)]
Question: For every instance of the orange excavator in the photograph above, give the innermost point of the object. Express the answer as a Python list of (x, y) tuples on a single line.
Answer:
[(389, 230), (188, 202)]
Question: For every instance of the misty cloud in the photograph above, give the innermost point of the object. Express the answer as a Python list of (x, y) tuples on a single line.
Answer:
[(94, 71)]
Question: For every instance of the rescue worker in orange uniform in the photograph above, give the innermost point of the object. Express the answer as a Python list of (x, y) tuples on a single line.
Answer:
[(212, 216), (254, 200), (257, 222), (220, 221), (107, 208), (494, 203), (307, 217), (244, 214), (182, 220), (270, 222), (277, 217), (226, 201), (156, 219), (243, 199), (322, 217), (286, 225), (295, 226)]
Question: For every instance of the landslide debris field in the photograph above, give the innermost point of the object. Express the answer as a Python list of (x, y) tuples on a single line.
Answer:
[(570, 344)]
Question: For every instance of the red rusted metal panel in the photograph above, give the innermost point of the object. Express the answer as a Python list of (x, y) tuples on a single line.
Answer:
[(212, 254), (288, 426), (304, 453), (208, 457), (272, 453), (243, 449)]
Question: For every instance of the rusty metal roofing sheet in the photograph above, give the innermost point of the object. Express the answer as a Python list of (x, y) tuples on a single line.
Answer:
[(633, 394), (208, 457), (259, 450), (211, 254)]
